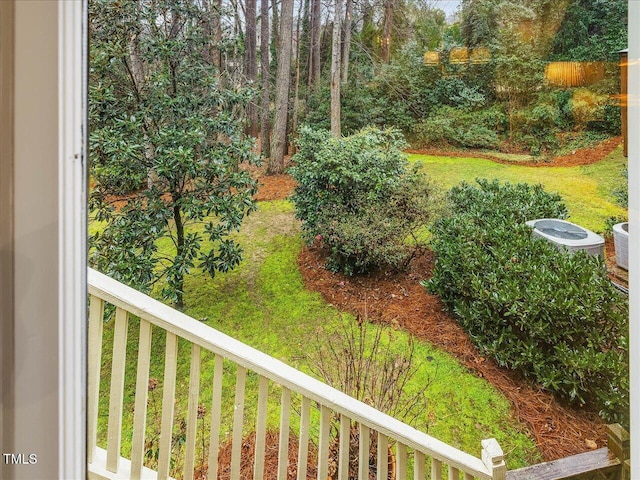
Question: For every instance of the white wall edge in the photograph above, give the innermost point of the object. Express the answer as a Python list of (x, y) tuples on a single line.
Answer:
[(72, 290)]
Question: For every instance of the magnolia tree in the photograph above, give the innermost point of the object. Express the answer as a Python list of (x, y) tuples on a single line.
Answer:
[(166, 145)]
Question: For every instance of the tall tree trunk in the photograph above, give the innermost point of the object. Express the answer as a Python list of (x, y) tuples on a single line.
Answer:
[(216, 26), (251, 66), (265, 102), (279, 141), (179, 281), (237, 34), (296, 89), (335, 71), (137, 75), (366, 12), (386, 30), (275, 32), (346, 44), (305, 41), (314, 55)]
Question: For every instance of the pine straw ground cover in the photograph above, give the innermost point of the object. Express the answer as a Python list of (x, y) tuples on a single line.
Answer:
[(399, 300)]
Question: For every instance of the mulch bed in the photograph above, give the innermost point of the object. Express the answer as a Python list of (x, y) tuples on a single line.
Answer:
[(275, 187), (584, 156), (247, 457), (399, 300)]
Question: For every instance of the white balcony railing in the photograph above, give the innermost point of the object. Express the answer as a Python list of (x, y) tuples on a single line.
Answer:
[(413, 450)]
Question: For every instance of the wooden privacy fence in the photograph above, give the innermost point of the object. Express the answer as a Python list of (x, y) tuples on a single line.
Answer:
[(323, 416)]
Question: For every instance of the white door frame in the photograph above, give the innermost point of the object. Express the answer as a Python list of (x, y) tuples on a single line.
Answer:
[(72, 261), (42, 239)]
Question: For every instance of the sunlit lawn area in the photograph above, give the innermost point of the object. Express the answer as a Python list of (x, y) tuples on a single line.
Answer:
[(587, 190)]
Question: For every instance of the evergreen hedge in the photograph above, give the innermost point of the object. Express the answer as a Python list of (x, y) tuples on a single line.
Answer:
[(552, 315)]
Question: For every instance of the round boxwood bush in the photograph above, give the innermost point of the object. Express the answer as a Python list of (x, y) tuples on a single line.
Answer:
[(358, 196), (552, 315)]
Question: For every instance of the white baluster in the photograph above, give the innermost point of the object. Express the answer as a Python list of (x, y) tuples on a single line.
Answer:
[(116, 394), (192, 413), (303, 445), (238, 419), (436, 469), (216, 404), (283, 452), (345, 434), (142, 391), (323, 443), (364, 447), (96, 321), (454, 473), (418, 466), (383, 457), (401, 462), (261, 428), (168, 396)]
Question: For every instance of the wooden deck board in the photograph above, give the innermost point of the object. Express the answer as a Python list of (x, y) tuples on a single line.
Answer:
[(600, 460)]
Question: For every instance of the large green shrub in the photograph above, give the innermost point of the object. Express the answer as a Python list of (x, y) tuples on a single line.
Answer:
[(358, 196), (551, 315)]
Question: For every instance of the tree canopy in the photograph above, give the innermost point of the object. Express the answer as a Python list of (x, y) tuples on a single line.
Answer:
[(166, 131)]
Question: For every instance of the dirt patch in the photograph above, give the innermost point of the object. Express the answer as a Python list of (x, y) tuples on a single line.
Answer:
[(399, 300), (583, 156)]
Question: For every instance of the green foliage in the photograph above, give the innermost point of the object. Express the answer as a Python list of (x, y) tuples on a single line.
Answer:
[(521, 37), (360, 106), (404, 92), (622, 192), (462, 128), (592, 30), (357, 195), (540, 128), (479, 22), (610, 121), (171, 127), (553, 316), (585, 189), (611, 221)]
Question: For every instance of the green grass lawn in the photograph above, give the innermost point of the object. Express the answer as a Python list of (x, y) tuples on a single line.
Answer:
[(263, 303), (587, 190)]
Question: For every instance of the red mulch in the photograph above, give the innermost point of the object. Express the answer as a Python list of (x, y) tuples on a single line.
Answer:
[(270, 460), (398, 299), (275, 187), (589, 155), (584, 156)]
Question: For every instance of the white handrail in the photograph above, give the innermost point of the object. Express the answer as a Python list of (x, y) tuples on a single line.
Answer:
[(200, 334)]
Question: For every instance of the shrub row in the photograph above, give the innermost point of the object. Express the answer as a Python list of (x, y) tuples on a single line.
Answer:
[(551, 315), (358, 196)]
